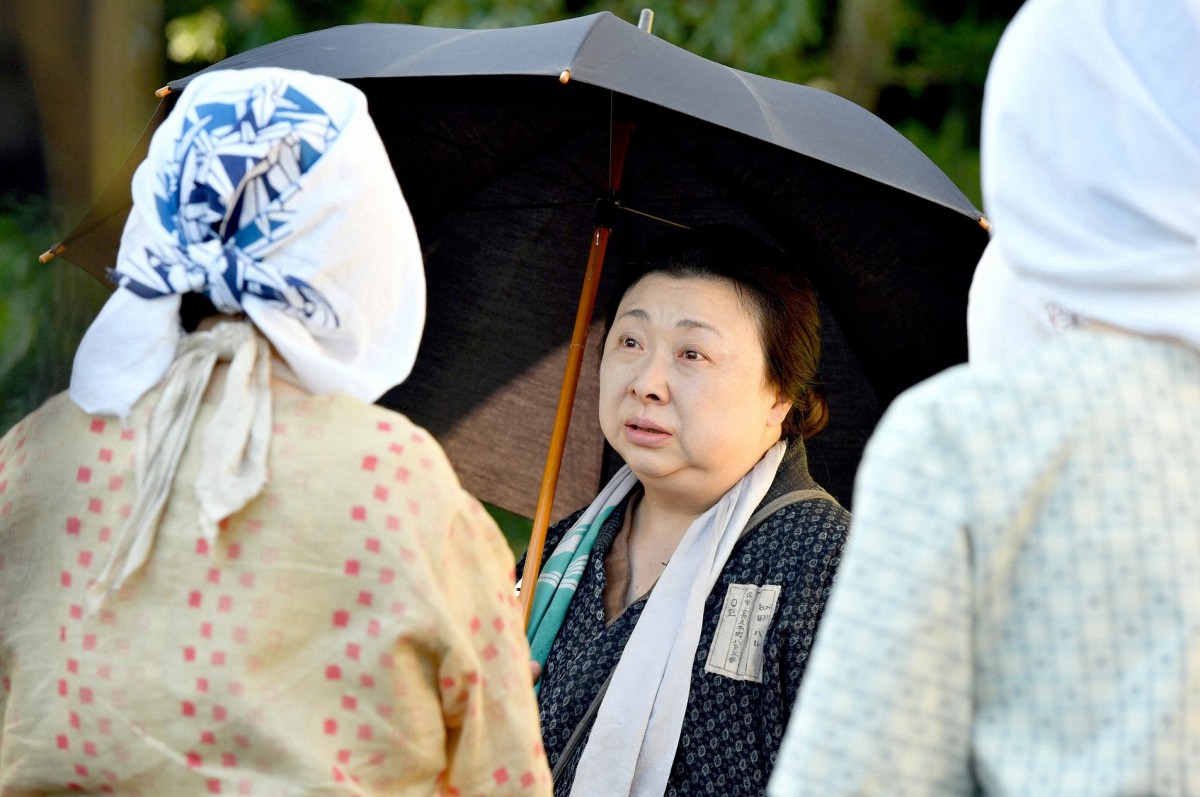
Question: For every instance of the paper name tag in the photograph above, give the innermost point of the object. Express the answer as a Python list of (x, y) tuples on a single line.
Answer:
[(737, 648)]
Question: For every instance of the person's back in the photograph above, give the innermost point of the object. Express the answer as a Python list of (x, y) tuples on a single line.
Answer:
[(292, 654), (1023, 617), (1018, 610), (1083, 516), (222, 569)]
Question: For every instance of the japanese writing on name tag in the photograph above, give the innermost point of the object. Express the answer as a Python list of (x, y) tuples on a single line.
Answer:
[(737, 648)]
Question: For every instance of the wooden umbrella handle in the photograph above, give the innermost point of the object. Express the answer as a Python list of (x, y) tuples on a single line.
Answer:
[(566, 396), (562, 419)]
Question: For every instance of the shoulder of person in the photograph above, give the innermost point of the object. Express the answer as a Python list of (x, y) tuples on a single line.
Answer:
[(808, 511), (57, 409), (1068, 358), (800, 536), (386, 435)]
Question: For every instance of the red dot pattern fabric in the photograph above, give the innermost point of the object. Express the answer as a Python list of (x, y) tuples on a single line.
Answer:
[(352, 631)]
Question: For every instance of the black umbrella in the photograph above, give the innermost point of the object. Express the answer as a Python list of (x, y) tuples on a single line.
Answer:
[(520, 150)]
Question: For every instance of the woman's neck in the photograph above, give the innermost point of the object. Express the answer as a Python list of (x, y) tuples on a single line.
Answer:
[(665, 522), (652, 534), (690, 492), (687, 495)]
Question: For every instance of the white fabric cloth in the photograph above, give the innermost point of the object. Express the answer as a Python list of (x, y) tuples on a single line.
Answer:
[(1006, 319), (270, 191), (1090, 163), (234, 463), (632, 743), (1017, 610)]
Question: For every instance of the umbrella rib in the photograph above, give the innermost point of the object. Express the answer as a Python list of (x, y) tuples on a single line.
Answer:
[(651, 216), (580, 203)]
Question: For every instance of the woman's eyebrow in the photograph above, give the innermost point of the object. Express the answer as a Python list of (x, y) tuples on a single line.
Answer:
[(691, 323), (683, 323)]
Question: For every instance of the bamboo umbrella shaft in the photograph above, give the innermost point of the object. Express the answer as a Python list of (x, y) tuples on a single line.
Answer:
[(562, 419), (566, 396)]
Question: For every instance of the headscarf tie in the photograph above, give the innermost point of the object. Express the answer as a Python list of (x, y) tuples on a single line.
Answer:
[(234, 448)]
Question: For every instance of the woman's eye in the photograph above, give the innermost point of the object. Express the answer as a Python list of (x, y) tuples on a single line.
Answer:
[(627, 342), (692, 354)]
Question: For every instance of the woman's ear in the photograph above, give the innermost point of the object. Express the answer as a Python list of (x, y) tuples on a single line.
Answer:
[(778, 410)]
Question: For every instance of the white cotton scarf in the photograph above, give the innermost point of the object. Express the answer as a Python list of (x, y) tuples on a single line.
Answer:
[(234, 448), (1091, 168), (270, 192), (1006, 318), (632, 744)]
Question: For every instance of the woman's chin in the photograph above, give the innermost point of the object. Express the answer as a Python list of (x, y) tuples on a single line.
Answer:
[(649, 463)]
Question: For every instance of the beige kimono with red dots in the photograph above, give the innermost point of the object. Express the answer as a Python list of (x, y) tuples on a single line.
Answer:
[(351, 631)]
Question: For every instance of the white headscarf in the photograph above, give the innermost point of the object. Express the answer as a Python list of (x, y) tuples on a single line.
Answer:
[(1091, 171), (270, 192), (1004, 318)]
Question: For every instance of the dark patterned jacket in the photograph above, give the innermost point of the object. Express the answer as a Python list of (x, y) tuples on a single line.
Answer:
[(733, 726)]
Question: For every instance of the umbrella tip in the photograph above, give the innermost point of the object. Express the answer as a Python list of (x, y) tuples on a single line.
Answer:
[(564, 77), (985, 224), (646, 20), (51, 253), (164, 91)]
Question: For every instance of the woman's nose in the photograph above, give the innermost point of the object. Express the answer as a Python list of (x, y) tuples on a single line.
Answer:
[(649, 380)]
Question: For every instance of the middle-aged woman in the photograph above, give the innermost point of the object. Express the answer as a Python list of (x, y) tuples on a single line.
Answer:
[(674, 615)]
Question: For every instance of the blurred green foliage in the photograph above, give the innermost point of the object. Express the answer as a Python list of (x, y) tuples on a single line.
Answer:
[(516, 529), (44, 310)]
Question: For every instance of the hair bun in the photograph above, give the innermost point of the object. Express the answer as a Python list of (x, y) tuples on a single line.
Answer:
[(812, 411)]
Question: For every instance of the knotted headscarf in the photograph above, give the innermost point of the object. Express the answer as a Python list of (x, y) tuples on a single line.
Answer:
[(1092, 178), (270, 192)]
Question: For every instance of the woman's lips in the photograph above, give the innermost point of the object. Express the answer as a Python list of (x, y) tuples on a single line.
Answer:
[(644, 433)]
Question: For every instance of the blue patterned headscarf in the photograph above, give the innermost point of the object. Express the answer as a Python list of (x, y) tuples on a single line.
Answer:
[(270, 192), (223, 198)]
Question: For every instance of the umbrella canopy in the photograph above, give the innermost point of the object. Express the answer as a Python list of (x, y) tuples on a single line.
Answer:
[(503, 141)]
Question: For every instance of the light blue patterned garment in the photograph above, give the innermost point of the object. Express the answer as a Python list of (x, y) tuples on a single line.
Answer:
[(1017, 611)]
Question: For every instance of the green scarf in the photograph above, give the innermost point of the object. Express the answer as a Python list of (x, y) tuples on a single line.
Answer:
[(564, 569)]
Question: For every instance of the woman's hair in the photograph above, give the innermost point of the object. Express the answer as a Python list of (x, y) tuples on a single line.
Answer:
[(773, 287), (194, 308)]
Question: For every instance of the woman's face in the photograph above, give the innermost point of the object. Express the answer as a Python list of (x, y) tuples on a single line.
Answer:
[(684, 397)]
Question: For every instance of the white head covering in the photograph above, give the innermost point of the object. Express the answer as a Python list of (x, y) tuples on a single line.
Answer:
[(270, 192), (1005, 319), (1091, 171)]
